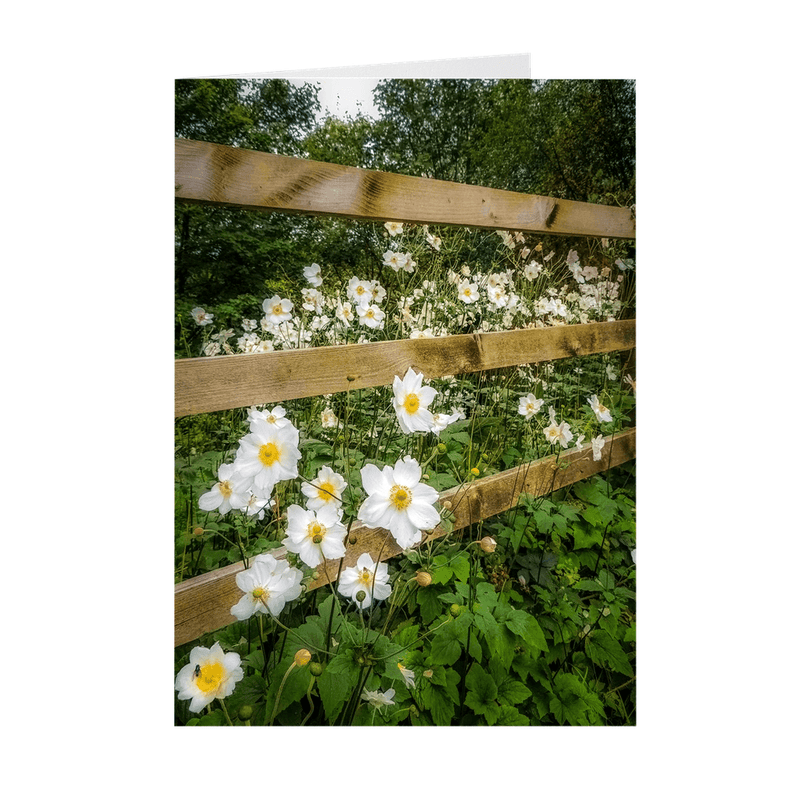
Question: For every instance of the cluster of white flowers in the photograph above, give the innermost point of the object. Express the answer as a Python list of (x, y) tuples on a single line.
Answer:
[(266, 455)]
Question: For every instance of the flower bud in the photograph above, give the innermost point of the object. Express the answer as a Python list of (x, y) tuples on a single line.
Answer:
[(487, 544), (423, 578), (315, 668), (302, 657), (197, 532), (475, 471), (441, 447), (361, 596), (455, 610), (353, 539), (245, 712), (426, 477)]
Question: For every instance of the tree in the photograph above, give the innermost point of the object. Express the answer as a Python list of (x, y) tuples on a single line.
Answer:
[(222, 253)]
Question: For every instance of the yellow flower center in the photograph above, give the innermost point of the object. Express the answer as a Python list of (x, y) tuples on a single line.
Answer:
[(370, 313), (225, 489), (272, 419), (258, 592), (360, 290), (468, 292), (268, 454), (400, 497), (210, 677), (365, 577), (277, 309), (411, 404), (327, 491), (317, 532)]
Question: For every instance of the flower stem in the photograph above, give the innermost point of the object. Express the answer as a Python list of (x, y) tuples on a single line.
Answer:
[(227, 716), (280, 692)]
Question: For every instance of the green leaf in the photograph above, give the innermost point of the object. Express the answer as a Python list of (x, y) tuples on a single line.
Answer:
[(607, 652), (440, 706), (460, 567), (511, 716), (526, 626), (429, 604), (445, 647), (482, 694), (337, 685), (295, 686), (215, 717), (584, 538), (511, 692)]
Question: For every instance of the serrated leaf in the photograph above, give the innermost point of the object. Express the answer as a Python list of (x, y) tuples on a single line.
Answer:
[(511, 716), (335, 690), (511, 692), (607, 652)]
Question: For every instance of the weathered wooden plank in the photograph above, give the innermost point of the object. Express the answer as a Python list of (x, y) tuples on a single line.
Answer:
[(203, 604), (219, 175), (223, 382)]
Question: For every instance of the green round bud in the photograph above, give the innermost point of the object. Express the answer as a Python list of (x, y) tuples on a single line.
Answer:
[(441, 447), (361, 596), (315, 668), (245, 712), (455, 609), (351, 462)]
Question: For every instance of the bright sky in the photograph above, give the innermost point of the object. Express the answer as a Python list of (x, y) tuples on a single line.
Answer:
[(341, 95)]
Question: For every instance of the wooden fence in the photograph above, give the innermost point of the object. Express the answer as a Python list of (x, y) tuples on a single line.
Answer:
[(218, 175)]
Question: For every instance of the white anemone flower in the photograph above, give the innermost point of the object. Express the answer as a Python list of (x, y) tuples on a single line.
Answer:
[(530, 405), (468, 292), (344, 313), (268, 585), (394, 228), (597, 447), (211, 674), (229, 492), (434, 241), (255, 506), (325, 491), (313, 300), (371, 316), (441, 421), (559, 434), (531, 271), (201, 316), (360, 292), (394, 260), (328, 418), (600, 411), (268, 454), (408, 676), (315, 535), (276, 417), (277, 310), (368, 577), (313, 275), (411, 401), (398, 502), (378, 699)]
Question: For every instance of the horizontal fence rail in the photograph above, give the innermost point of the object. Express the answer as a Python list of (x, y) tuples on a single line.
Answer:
[(216, 174), (203, 604), (223, 382)]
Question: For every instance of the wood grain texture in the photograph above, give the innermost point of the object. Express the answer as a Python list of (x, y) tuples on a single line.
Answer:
[(223, 382), (216, 174), (203, 604)]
